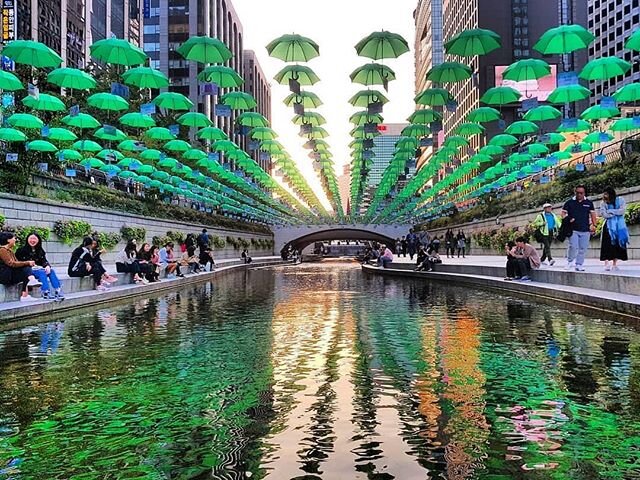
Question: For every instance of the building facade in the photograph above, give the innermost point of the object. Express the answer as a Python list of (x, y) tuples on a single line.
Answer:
[(344, 186), (257, 84)]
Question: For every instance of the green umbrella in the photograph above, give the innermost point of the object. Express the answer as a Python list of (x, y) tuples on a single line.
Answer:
[(564, 39), (25, 120), (205, 50), (211, 133), (194, 154), (360, 118), (622, 125), (44, 102), (416, 131), (537, 149), (596, 112), (127, 174), (483, 115), (604, 68), (306, 99), (168, 162), (633, 42), (628, 93), (293, 48), (579, 148), (424, 116), (569, 94), (71, 78), (503, 140), (372, 74), (434, 97), (177, 146), (159, 133), (317, 132), (92, 162), (527, 69), (263, 133), (491, 150), (87, 146), (252, 119), (581, 126), (470, 43), (309, 118), (9, 82), (520, 158), (117, 135), (238, 100), (173, 101), (151, 154), (364, 98), (12, 135), (224, 146), (301, 73), (456, 141), (117, 51), (522, 127), (130, 145), (542, 114), (62, 135), (224, 77), (32, 53), (113, 154), (146, 169), (597, 137), (160, 175), (500, 96), (108, 101), (145, 77), (469, 129), (194, 119), (379, 45), (271, 146), (554, 138), (41, 146), (480, 158), (449, 72), (81, 120), (69, 154), (137, 120)]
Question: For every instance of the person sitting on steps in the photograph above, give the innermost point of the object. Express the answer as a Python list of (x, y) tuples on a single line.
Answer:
[(42, 270), (14, 271), (521, 259)]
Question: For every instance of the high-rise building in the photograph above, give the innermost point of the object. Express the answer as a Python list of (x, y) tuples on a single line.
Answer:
[(256, 83), (344, 186)]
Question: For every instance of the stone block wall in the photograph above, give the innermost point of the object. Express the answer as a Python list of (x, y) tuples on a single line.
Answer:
[(26, 211)]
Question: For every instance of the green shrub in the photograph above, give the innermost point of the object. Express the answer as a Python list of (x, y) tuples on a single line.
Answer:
[(217, 242), (23, 232), (107, 240), (233, 242), (133, 233), (176, 237), (244, 243), (70, 230), (2, 220)]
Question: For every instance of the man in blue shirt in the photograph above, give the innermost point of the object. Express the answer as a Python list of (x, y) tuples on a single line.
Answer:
[(582, 217)]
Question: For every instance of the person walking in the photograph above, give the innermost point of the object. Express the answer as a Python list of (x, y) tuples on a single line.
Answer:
[(615, 235), (546, 225), (398, 246), (582, 218), (203, 240), (412, 243), (403, 246), (461, 243), (448, 242), (424, 238)]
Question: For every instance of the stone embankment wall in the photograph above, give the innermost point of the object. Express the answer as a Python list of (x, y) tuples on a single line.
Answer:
[(25, 211)]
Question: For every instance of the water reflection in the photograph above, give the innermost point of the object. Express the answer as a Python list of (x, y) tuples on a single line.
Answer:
[(317, 372)]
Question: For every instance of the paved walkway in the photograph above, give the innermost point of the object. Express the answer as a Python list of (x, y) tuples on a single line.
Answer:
[(629, 269)]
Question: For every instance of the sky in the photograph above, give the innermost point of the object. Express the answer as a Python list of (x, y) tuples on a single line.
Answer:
[(336, 25)]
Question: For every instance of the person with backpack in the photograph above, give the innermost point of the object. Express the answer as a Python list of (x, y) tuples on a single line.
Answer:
[(203, 240), (546, 225)]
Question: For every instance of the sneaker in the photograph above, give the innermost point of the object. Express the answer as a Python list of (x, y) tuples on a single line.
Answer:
[(46, 295), (570, 266), (59, 296), (111, 279), (607, 268), (508, 279), (34, 283), (525, 279), (580, 268), (180, 275), (27, 298), (552, 263), (101, 287)]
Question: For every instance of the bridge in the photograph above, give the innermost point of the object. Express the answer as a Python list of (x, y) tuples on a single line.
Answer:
[(299, 237)]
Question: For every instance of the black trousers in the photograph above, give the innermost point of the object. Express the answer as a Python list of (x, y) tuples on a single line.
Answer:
[(97, 270), (517, 267), (546, 247), (13, 276)]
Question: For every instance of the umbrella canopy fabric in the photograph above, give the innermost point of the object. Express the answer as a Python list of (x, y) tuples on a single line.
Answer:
[(173, 101), (205, 50), (628, 93), (41, 146), (92, 162), (194, 119), (469, 129), (238, 100), (137, 120), (71, 78), (108, 101), (117, 51), (151, 154), (483, 115), (25, 120), (500, 96), (12, 135), (604, 68), (597, 112), (372, 74), (542, 114), (110, 154), (116, 135), (81, 120), (306, 99), (145, 77), (159, 133), (293, 48), (522, 127), (383, 44), (564, 39), (449, 72), (503, 140), (87, 146), (309, 118), (9, 82), (424, 116), (300, 73), (61, 135), (44, 102), (69, 154), (263, 133), (32, 53), (211, 133), (527, 69), (224, 77), (569, 94), (470, 43), (177, 145), (434, 97)]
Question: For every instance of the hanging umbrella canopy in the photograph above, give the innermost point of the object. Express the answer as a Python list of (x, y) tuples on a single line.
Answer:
[(564, 39), (379, 45), (224, 77), (108, 101), (145, 77), (622, 125), (177, 146), (569, 94), (415, 130), (470, 43), (194, 119), (449, 72), (69, 154), (317, 132), (44, 102), (522, 127), (205, 50), (628, 93), (424, 116), (32, 53), (92, 162), (127, 174), (25, 120), (597, 112), (62, 135), (578, 148), (301, 73), (364, 98), (480, 158), (537, 149), (173, 101), (604, 68), (491, 150), (151, 154), (469, 129), (224, 146), (87, 146), (130, 145), (310, 118), (307, 99), (71, 78), (12, 135), (252, 119), (597, 137), (363, 117), (110, 169), (554, 138), (159, 133), (434, 97), (271, 146), (633, 42), (542, 114), (503, 140), (500, 96), (41, 146), (238, 100), (117, 51), (110, 153), (146, 169), (581, 126), (137, 120), (483, 115), (293, 48), (211, 133), (81, 120), (194, 154), (456, 141), (9, 82), (116, 136), (527, 69), (372, 74)]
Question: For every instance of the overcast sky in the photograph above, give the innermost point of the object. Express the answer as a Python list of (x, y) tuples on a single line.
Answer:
[(336, 25)]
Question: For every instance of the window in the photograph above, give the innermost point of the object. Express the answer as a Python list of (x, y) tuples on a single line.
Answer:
[(151, 29), (152, 47)]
